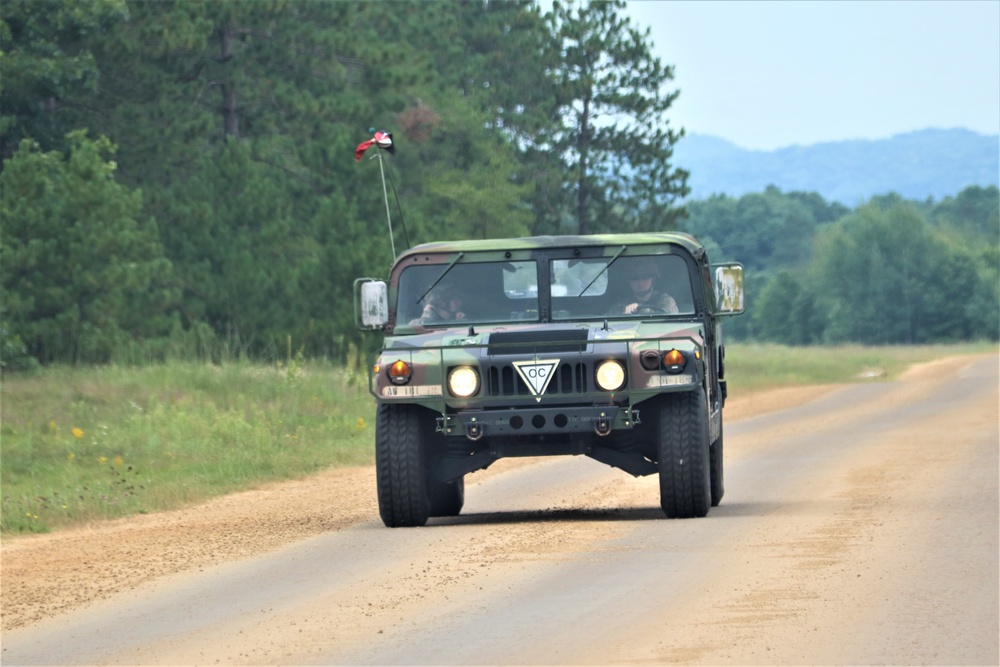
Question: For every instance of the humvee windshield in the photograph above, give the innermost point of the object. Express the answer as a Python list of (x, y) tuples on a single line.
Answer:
[(497, 292), (486, 292)]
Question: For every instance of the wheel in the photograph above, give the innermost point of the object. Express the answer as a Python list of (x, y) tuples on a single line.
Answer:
[(446, 498), (400, 472), (684, 456), (718, 488), (650, 310)]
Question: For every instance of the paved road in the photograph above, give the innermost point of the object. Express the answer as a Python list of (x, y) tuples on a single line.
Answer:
[(860, 528)]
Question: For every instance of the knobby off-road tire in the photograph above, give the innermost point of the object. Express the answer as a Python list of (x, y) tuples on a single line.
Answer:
[(401, 475), (718, 488), (447, 498), (685, 466)]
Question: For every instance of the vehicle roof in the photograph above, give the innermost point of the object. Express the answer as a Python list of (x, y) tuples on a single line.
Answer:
[(647, 238)]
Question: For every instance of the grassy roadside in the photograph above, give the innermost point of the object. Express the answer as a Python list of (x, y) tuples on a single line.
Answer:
[(758, 367), (87, 444)]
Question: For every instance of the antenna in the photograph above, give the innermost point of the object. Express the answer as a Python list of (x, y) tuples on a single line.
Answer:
[(385, 195), (383, 141)]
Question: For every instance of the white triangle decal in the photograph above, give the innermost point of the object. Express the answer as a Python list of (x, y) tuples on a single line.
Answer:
[(537, 374)]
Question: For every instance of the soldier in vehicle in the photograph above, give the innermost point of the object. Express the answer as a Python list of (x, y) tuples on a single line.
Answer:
[(643, 275), (444, 304)]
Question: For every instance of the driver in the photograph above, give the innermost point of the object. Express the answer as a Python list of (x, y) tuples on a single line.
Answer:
[(642, 276), (444, 305)]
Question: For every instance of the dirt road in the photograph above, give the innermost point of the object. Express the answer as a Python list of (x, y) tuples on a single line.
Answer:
[(858, 527)]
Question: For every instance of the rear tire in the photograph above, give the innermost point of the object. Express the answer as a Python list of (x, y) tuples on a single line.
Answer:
[(401, 475), (684, 456), (447, 498)]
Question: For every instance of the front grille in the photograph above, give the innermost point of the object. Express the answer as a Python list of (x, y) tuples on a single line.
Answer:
[(569, 345), (570, 378)]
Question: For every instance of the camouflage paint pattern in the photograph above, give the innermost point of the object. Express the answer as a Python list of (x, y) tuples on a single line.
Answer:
[(432, 350)]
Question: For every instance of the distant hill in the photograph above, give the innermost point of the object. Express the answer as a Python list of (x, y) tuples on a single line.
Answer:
[(916, 165)]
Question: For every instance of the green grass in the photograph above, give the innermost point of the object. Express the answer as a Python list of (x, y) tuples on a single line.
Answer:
[(757, 367), (85, 444), (88, 444)]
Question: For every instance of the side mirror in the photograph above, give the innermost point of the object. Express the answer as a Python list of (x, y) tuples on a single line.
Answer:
[(371, 304), (729, 289)]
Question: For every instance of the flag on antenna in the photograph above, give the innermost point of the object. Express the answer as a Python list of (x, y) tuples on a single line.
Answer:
[(382, 139)]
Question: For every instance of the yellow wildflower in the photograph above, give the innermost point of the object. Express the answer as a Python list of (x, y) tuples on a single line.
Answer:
[(102, 459), (361, 423), (118, 461), (77, 432), (71, 456)]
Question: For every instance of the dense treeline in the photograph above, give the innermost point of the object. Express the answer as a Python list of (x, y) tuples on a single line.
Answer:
[(888, 272), (178, 177)]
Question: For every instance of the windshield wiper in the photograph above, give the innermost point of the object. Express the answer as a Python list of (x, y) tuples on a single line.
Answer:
[(601, 273), (441, 277)]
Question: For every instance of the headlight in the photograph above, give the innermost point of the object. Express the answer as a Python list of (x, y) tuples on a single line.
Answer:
[(399, 372), (463, 381), (610, 375)]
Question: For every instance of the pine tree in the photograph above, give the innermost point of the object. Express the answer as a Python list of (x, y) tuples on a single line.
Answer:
[(82, 269), (611, 127), (48, 74)]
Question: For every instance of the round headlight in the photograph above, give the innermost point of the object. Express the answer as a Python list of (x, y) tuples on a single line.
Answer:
[(463, 381), (610, 375)]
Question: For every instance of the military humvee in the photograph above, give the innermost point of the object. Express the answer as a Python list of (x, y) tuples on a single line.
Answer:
[(608, 346)]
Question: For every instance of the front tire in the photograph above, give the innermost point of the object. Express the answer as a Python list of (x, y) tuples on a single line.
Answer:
[(401, 475), (684, 456), (718, 488)]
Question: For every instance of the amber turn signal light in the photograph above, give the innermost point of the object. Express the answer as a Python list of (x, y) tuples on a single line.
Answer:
[(399, 372), (673, 361)]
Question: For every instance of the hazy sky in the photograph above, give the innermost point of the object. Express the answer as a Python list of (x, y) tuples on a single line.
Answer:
[(767, 75)]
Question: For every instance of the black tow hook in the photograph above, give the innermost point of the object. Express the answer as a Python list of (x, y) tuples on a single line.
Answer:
[(602, 425), (473, 431)]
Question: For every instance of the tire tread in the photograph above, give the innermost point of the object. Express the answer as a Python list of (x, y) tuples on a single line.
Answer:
[(685, 477), (400, 469)]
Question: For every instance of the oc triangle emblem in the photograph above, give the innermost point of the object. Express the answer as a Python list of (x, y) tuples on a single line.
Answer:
[(537, 374)]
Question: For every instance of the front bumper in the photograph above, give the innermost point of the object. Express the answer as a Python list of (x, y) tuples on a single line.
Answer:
[(474, 424)]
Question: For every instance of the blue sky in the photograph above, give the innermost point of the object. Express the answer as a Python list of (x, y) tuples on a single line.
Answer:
[(767, 75)]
